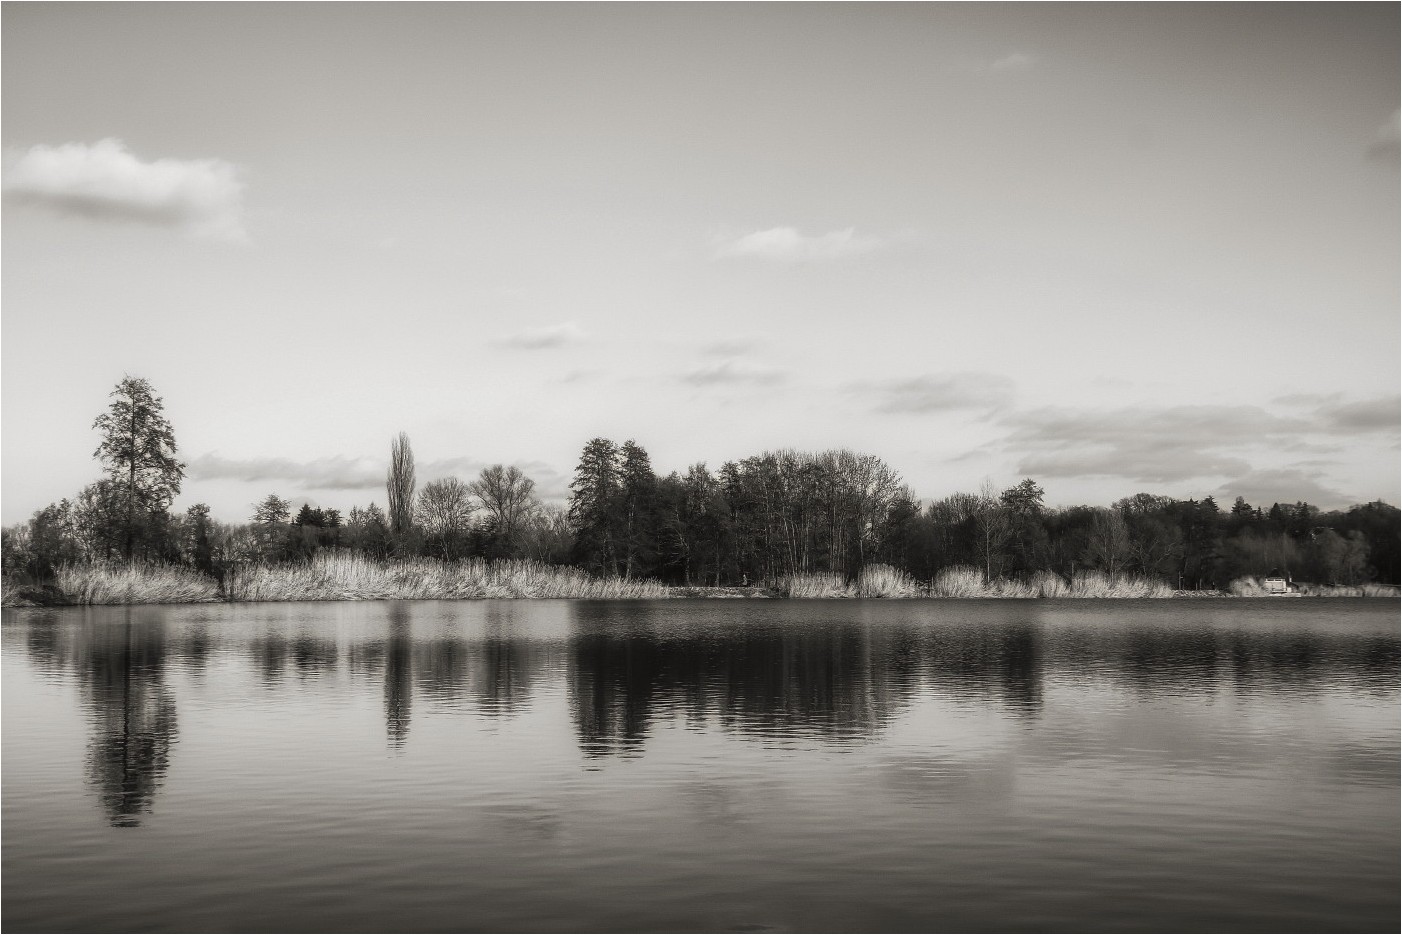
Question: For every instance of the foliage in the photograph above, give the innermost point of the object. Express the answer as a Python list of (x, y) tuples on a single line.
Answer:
[(138, 453)]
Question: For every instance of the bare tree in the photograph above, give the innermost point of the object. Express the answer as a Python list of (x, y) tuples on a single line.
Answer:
[(444, 510), (506, 495), (399, 488), (1109, 548), (994, 527)]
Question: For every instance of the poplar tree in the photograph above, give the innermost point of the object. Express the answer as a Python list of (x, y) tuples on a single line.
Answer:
[(138, 453), (399, 489)]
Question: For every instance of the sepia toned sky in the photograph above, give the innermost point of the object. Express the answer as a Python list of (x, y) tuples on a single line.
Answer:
[(1116, 248)]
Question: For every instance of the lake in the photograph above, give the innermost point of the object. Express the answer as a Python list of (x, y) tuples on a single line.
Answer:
[(721, 765)]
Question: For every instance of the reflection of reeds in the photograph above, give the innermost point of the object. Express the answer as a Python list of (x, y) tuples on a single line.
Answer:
[(348, 577), (134, 583)]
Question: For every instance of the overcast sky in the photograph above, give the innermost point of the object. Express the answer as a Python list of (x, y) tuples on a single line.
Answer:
[(1115, 248)]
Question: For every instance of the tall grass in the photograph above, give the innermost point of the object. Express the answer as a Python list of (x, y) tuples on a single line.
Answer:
[(885, 581), (814, 585), (1099, 584), (349, 577), (134, 583), (958, 581), (965, 581)]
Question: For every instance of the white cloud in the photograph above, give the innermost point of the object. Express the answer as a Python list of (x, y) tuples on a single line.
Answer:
[(104, 180), (535, 339), (1011, 63), (731, 372), (942, 392), (338, 472), (1016, 61), (1387, 144), (787, 244)]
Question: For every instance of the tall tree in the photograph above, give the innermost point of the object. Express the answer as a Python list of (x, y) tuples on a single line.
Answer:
[(594, 497), (138, 453), (399, 489), (637, 509)]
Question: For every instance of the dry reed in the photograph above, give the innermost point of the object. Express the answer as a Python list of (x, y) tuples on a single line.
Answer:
[(350, 577), (134, 583)]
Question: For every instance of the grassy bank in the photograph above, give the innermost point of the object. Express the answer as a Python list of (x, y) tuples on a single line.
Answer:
[(965, 582), (348, 577)]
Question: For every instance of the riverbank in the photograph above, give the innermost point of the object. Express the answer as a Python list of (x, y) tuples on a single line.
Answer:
[(344, 577)]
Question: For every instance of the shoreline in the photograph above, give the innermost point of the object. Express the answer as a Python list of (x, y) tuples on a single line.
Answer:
[(679, 592)]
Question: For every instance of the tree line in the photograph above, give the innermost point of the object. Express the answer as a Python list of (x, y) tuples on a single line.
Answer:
[(774, 514)]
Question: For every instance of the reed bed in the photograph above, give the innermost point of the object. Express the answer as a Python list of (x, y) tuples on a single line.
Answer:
[(814, 585), (1347, 590), (885, 581), (1100, 585), (958, 581), (133, 583), (347, 577)]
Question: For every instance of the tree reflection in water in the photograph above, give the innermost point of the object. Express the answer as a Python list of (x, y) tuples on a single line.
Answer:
[(774, 675), (122, 674)]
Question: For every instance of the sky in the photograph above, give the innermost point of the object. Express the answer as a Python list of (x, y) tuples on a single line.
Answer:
[(1115, 248)]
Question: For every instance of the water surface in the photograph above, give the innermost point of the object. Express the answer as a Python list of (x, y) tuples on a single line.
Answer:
[(702, 765)]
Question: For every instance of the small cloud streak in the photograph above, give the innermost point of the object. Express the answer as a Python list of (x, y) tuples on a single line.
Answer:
[(1016, 61), (1387, 144), (731, 372), (203, 197), (537, 339), (1012, 63), (944, 392), (333, 473), (786, 244), (338, 472)]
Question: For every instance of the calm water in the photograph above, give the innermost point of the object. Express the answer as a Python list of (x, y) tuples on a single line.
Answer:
[(703, 765)]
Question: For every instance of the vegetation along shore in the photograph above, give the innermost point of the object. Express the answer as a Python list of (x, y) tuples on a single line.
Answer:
[(788, 524)]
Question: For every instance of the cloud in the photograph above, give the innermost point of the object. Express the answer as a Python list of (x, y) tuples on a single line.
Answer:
[(1146, 444), (731, 372), (942, 392), (535, 339), (338, 472), (1331, 414), (332, 473), (1386, 146), (1012, 63), (1016, 61), (730, 347), (1369, 415), (786, 244), (1283, 485), (203, 197)]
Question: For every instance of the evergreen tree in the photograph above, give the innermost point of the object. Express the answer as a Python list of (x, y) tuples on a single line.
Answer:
[(595, 493)]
